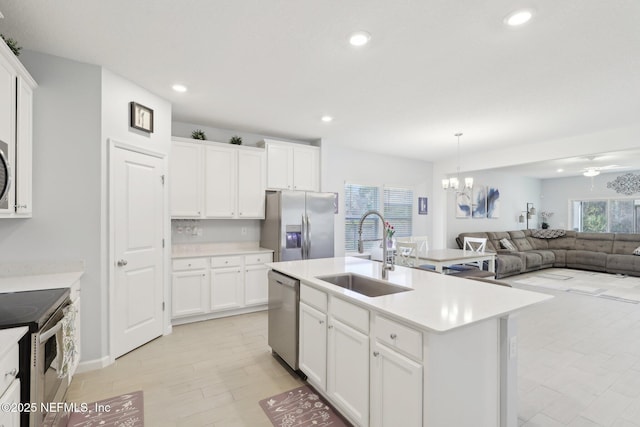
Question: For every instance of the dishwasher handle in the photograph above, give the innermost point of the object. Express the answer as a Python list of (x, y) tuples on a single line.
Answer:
[(283, 280)]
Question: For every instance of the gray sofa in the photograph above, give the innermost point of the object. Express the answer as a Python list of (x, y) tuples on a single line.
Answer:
[(606, 252)]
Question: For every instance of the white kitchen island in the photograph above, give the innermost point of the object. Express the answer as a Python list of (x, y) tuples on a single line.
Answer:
[(440, 355)]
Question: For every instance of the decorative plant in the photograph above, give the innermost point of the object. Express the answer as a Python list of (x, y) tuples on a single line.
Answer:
[(236, 140), (13, 45), (198, 134), (545, 215), (390, 230)]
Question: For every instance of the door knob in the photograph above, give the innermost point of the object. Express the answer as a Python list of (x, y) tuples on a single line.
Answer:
[(122, 262)]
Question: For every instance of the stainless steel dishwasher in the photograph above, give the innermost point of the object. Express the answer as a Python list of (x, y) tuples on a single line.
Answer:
[(284, 296)]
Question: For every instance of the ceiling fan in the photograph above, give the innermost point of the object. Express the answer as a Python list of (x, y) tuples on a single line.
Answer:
[(591, 171), (595, 171)]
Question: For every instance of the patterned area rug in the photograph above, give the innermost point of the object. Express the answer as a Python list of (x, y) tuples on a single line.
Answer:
[(604, 285), (126, 410), (301, 406)]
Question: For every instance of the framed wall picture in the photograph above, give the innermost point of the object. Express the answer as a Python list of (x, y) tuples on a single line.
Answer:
[(423, 206), (140, 117)]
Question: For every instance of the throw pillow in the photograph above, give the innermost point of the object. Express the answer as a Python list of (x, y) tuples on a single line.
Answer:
[(506, 244), (637, 251)]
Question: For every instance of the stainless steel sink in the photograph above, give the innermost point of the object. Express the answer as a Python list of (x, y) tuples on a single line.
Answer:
[(363, 285)]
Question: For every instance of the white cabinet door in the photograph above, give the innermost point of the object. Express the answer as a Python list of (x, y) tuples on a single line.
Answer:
[(7, 129), (189, 293), (313, 345), (256, 284), (279, 167), (186, 180), (24, 149), (220, 182), (306, 162), (251, 183), (12, 398), (396, 389), (348, 371), (226, 288)]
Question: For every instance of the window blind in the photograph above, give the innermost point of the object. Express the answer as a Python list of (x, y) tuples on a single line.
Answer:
[(358, 200), (398, 209)]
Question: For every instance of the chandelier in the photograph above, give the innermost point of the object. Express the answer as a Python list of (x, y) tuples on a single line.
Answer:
[(453, 183)]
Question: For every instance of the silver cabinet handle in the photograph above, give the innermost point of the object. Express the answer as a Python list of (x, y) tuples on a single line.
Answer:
[(393, 336), (321, 321), (11, 373), (375, 354), (330, 326), (122, 262)]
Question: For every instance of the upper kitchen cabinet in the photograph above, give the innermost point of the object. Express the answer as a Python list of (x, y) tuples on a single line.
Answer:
[(292, 166), (215, 180), (16, 105)]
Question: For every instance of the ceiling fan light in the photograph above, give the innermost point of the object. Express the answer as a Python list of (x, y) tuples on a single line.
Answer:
[(591, 172)]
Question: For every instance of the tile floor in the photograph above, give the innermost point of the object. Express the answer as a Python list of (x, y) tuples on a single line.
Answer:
[(579, 366)]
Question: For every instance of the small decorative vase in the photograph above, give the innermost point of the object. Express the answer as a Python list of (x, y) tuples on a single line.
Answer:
[(389, 243)]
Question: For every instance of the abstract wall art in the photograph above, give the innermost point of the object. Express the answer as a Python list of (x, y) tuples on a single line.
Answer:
[(479, 204), (463, 204), (493, 202)]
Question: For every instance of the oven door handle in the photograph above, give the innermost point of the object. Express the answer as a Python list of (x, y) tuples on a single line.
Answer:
[(51, 332)]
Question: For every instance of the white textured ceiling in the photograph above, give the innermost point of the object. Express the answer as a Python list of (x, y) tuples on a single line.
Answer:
[(433, 67)]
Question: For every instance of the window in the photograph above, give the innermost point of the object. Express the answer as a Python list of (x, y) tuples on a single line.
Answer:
[(395, 204), (601, 216)]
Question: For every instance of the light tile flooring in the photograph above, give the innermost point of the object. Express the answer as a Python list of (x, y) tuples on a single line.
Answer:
[(204, 374), (579, 366)]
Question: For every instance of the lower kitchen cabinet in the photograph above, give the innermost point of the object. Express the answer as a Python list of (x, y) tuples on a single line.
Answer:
[(10, 381), (10, 398), (189, 290), (396, 389), (313, 345), (226, 288), (209, 287), (348, 370)]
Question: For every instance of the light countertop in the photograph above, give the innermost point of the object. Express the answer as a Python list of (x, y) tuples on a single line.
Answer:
[(437, 303), (216, 249), (39, 281)]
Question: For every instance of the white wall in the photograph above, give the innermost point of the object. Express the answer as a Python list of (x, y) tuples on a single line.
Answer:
[(340, 165), (117, 93), (515, 192), (66, 182), (557, 192)]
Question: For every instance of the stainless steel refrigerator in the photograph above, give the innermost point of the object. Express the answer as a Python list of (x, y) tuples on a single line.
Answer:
[(298, 225)]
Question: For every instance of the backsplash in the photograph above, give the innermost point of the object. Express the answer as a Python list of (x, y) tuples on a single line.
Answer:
[(214, 230)]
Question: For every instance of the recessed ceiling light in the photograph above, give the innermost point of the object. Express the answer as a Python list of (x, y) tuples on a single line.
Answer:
[(179, 88), (560, 170), (326, 119), (519, 17), (359, 38)]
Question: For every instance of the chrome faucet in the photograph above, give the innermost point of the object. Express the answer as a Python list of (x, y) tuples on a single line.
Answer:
[(385, 265)]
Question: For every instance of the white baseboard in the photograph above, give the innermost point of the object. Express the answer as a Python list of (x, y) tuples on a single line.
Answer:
[(92, 365)]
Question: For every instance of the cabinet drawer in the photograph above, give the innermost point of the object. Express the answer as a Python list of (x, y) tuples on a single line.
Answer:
[(226, 261), (8, 367), (350, 314), (399, 337), (189, 264), (258, 258), (313, 297)]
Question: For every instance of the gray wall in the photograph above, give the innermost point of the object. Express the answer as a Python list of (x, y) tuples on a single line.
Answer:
[(558, 192), (66, 181), (515, 192), (340, 165)]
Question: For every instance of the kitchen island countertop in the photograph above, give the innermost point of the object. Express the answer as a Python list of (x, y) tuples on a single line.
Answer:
[(438, 302)]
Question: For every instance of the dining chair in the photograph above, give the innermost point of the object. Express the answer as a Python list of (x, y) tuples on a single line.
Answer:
[(423, 244), (475, 244), (406, 254)]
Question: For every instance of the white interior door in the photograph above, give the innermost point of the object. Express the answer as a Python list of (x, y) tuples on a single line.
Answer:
[(137, 198)]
